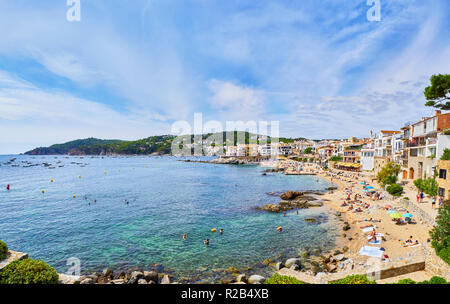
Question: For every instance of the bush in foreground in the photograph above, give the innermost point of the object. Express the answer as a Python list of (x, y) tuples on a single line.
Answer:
[(395, 189), (354, 279), (28, 271), (433, 280), (279, 279), (440, 234), (3, 250)]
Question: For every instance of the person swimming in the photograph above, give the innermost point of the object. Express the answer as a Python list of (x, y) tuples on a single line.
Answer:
[(221, 231), (184, 237), (206, 242), (7, 187)]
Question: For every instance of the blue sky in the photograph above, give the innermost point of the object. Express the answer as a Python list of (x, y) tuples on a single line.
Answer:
[(130, 69)]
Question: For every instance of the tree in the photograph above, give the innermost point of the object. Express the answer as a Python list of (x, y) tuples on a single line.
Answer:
[(308, 150), (388, 174), (446, 154), (437, 93), (335, 158), (440, 234), (428, 186)]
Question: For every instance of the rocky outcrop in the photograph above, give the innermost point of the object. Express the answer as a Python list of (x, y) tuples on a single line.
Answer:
[(299, 203), (256, 279)]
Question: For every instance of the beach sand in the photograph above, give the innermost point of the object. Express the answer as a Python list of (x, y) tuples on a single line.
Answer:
[(355, 238)]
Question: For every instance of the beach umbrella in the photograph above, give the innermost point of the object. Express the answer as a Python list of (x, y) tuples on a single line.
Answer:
[(407, 215), (369, 187), (395, 215), (391, 211)]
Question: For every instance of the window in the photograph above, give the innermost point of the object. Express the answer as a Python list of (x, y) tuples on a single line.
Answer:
[(442, 192), (443, 173)]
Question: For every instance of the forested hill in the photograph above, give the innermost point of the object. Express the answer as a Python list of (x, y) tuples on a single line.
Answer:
[(152, 145)]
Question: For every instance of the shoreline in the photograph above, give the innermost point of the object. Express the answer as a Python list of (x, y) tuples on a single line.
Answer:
[(332, 199)]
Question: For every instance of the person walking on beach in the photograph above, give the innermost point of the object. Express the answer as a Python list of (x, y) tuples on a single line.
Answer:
[(421, 196), (433, 202), (440, 201), (418, 197)]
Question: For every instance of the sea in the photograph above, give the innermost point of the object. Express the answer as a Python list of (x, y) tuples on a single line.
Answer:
[(131, 213)]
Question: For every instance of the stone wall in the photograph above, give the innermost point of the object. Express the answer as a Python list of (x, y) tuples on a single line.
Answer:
[(444, 183)]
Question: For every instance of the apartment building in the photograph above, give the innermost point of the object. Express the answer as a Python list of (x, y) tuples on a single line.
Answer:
[(421, 145)]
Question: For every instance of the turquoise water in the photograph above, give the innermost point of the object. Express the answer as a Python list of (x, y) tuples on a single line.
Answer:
[(166, 199)]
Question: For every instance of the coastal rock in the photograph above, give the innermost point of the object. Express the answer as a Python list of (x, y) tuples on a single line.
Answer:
[(279, 265), (165, 279), (151, 276), (291, 262), (87, 281), (108, 273), (340, 257), (68, 279), (142, 281), (290, 195), (241, 278), (311, 220), (118, 282), (135, 276), (256, 279)]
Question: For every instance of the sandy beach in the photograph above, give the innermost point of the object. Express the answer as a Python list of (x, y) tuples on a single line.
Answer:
[(367, 211)]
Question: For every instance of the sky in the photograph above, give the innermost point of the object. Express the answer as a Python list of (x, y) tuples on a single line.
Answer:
[(132, 69)]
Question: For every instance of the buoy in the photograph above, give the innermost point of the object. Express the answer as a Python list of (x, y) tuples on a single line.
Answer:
[(51, 180), (74, 196), (79, 176), (213, 230), (279, 228), (43, 191), (118, 170), (105, 172)]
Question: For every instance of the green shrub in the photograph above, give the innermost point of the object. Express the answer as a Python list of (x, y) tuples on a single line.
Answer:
[(395, 189), (279, 279), (428, 186), (354, 279), (388, 174), (406, 281), (446, 154), (433, 280), (440, 234), (335, 158), (28, 271), (3, 250), (437, 280)]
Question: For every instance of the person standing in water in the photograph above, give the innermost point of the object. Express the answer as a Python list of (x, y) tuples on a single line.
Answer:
[(184, 237)]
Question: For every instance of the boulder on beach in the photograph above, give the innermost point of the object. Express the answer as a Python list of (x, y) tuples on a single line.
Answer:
[(151, 276), (256, 279), (290, 262)]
